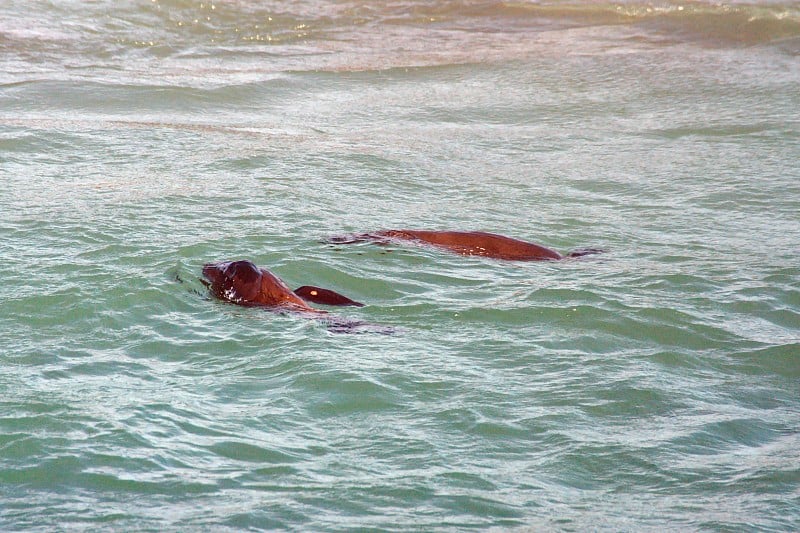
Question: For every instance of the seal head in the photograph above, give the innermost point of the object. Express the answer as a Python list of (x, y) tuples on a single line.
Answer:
[(234, 281)]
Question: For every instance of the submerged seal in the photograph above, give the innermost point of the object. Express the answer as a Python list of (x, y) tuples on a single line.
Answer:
[(479, 243)]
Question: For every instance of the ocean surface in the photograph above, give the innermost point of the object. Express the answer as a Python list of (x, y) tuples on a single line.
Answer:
[(653, 387)]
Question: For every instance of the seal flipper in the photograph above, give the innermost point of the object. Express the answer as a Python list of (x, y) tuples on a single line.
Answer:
[(377, 237), (350, 238), (580, 252), (319, 295)]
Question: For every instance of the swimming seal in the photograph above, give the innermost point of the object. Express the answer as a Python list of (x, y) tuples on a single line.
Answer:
[(470, 243), (243, 283)]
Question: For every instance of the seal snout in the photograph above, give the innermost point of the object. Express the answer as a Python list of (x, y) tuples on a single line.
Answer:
[(213, 271)]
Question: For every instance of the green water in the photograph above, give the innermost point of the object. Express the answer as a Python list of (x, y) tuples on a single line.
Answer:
[(652, 387)]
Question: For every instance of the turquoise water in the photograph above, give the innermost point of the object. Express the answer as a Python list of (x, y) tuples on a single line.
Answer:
[(655, 386)]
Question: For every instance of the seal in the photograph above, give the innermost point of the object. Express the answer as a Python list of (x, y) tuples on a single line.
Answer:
[(244, 283), (469, 243)]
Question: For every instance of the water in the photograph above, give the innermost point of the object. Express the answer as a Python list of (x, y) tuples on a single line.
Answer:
[(656, 386)]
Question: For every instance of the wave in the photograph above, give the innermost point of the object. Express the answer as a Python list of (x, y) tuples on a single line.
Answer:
[(728, 22), (178, 27), (240, 43), (744, 23)]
